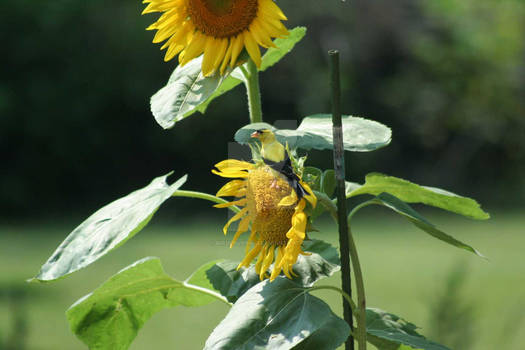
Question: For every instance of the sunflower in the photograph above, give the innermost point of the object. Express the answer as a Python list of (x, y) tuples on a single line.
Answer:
[(218, 28), (276, 214)]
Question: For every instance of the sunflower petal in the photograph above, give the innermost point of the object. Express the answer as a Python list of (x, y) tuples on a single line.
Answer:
[(233, 219), (229, 204)]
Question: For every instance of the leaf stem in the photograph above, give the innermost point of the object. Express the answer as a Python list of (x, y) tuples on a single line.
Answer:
[(205, 196), (342, 292), (339, 168), (360, 286), (251, 81), (208, 292)]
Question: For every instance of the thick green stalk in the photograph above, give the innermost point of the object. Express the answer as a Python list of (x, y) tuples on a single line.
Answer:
[(251, 81), (339, 169)]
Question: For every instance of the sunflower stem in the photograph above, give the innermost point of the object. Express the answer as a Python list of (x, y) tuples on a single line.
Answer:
[(205, 196), (251, 81), (345, 246)]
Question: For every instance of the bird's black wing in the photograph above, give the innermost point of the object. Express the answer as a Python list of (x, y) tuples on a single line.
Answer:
[(285, 168)]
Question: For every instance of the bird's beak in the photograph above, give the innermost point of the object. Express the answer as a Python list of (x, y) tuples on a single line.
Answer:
[(255, 134)]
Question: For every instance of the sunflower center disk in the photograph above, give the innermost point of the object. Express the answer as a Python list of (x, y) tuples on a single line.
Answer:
[(265, 189), (222, 18)]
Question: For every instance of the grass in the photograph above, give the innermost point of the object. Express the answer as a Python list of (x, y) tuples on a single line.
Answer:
[(405, 273)]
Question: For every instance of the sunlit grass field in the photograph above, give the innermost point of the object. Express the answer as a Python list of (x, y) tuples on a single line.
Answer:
[(406, 273)]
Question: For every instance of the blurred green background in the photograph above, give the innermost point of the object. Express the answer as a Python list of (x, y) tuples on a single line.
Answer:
[(447, 76)]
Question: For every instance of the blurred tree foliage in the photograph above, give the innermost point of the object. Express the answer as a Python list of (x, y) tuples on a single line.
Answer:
[(76, 76)]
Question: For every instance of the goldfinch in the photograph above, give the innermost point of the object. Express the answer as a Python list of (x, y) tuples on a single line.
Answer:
[(275, 156)]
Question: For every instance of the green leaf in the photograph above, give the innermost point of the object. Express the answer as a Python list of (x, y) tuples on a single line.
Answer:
[(323, 262), (409, 192), (272, 56), (232, 283), (275, 315), (328, 336), (417, 219), (315, 132), (186, 90), (313, 176), (107, 229), (284, 46), (229, 83), (324, 203), (359, 134), (350, 187), (328, 183), (387, 331), (229, 281), (111, 316)]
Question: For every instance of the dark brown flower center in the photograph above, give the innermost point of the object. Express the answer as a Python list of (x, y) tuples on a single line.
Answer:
[(222, 18)]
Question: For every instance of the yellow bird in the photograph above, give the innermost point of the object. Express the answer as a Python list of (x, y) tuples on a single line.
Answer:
[(275, 156), (271, 149)]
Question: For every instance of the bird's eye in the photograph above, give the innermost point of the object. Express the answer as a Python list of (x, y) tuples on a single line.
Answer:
[(259, 131)]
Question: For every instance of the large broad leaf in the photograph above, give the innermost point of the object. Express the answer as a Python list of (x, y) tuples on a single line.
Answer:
[(409, 192), (315, 132), (232, 283), (187, 88), (188, 91), (111, 316), (107, 229), (389, 332), (328, 336), (417, 219), (276, 315)]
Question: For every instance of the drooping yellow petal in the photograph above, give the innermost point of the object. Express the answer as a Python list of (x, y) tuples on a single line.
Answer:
[(251, 255), (289, 200), (234, 164), (195, 48), (311, 198), (210, 54), (229, 204), (252, 48), (270, 7), (233, 219), (260, 260), (231, 174), (237, 45), (220, 55), (227, 57), (231, 188), (268, 259), (276, 267), (243, 226), (260, 35)]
